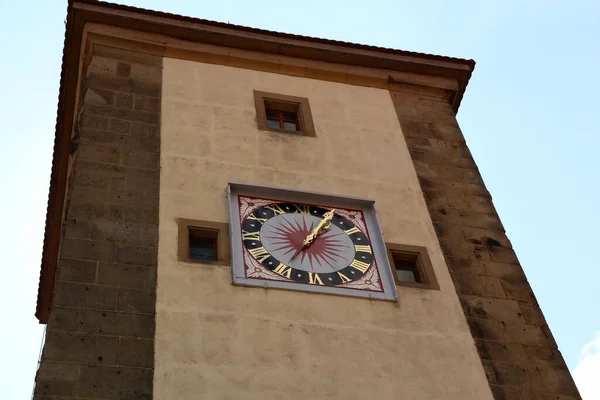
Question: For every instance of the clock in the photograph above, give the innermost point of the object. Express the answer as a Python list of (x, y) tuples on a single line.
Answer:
[(311, 242)]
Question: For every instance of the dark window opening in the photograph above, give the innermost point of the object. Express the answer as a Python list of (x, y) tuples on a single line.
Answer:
[(406, 272), (407, 267), (283, 114), (203, 244), (280, 119)]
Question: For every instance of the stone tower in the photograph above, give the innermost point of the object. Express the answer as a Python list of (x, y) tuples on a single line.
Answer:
[(238, 213)]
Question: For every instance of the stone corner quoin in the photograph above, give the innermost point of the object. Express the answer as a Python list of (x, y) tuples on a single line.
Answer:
[(100, 336), (519, 355)]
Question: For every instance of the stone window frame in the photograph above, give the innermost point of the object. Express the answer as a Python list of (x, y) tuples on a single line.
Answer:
[(424, 266), (285, 103), (223, 250)]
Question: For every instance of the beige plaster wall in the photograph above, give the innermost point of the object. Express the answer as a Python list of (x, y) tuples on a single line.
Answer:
[(218, 341)]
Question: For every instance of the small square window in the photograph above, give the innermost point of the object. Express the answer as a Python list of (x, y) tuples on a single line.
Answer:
[(406, 267), (203, 241), (280, 119), (281, 113), (411, 266), (203, 244), (282, 116)]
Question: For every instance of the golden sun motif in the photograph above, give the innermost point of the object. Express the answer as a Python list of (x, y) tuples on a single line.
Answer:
[(325, 249)]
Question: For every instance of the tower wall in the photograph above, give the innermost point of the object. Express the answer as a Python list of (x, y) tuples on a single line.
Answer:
[(215, 340), (158, 138), (519, 355), (100, 335)]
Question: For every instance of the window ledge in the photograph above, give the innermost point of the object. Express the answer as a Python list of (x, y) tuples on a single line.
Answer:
[(296, 133), (217, 263), (417, 285)]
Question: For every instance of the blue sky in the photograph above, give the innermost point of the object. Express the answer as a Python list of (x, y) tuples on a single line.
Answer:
[(530, 117)]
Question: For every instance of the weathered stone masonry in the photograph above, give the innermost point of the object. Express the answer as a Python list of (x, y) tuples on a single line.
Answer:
[(517, 350), (100, 335)]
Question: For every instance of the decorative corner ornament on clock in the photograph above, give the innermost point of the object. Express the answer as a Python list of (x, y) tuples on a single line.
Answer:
[(307, 241)]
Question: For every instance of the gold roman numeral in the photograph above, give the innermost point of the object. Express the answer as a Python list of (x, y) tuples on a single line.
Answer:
[(260, 253), (314, 278), (364, 249), (251, 235), (253, 217), (344, 278), (302, 208), (352, 230), (276, 208), (283, 270), (359, 265)]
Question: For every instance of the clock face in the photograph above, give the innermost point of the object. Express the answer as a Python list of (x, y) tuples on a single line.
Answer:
[(275, 242)]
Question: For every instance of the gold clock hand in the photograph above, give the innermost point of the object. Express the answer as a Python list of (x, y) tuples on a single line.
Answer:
[(324, 224)]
